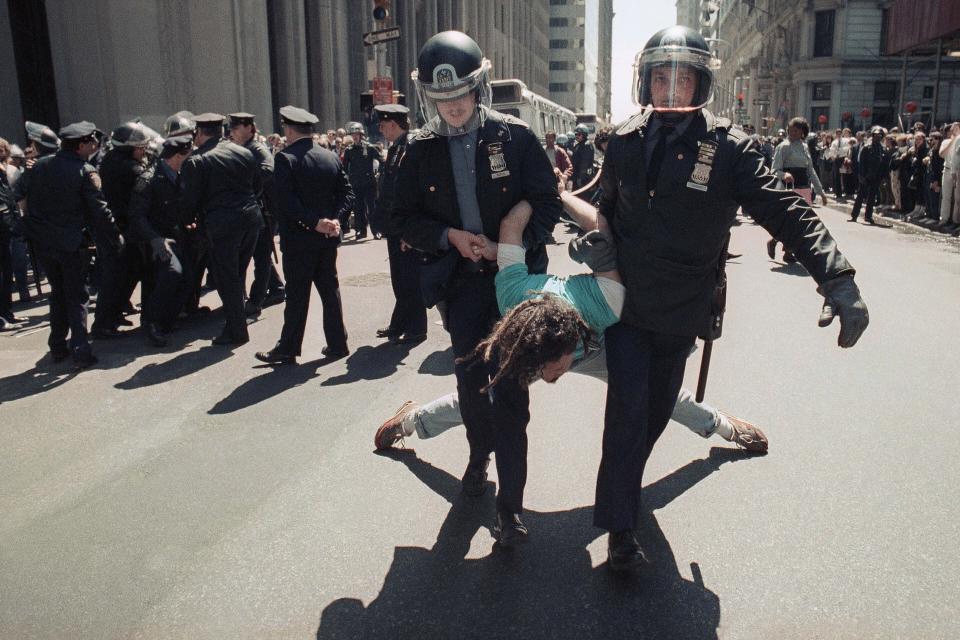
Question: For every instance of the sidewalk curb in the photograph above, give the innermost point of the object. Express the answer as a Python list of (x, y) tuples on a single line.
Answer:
[(896, 220)]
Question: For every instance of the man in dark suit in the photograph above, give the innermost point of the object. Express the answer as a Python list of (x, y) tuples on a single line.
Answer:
[(312, 192), (220, 184)]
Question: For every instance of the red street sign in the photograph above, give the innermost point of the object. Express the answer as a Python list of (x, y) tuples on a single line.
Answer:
[(383, 90)]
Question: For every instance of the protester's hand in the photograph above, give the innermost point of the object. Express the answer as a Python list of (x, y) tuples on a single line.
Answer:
[(488, 248), (464, 241), (561, 180), (841, 297), (329, 228), (160, 250), (404, 246), (788, 178), (191, 227)]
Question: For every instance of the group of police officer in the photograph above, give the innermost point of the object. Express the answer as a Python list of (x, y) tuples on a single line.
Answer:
[(672, 181)]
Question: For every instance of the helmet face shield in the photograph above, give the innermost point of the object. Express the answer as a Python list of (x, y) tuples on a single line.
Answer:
[(446, 87), (673, 78)]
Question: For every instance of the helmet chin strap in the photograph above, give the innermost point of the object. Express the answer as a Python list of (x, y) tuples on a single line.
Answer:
[(671, 118)]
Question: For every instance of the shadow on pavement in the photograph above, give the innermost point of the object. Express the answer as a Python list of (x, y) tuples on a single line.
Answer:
[(372, 363), (438, 363), (182, 365), (548, 589), (275, 381), (790, 269), (44, 376)]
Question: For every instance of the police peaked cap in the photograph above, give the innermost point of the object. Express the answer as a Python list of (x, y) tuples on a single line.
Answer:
[(295, 115), (395, 112), (179, 143), (241, 118), (209, 119), (79, 131)]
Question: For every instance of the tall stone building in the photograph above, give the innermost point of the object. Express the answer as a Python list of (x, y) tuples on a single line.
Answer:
[(812, 58), (112, 60), (580, 54)]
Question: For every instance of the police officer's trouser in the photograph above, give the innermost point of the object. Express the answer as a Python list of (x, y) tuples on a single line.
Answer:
[(306, 264), (472, 311), (119, 274), (645, 374), (6, 274), (68, 299), (170, 287), (364, 207), (233, 235), (867, 193), (196, 254), (409, 314), (265, 276)]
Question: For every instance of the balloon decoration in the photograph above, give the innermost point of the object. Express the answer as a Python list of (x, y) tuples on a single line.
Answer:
[(822, 119), (865, 113), (911, 106)]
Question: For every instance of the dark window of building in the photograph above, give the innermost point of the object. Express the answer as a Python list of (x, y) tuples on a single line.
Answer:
[(559, 44), (559, 22), (34, 63), (559, 86), (884, 30), (884, 116), (821, 90), (928, 93), (558, 2), (561, 65), (885, 91), (823, 33)]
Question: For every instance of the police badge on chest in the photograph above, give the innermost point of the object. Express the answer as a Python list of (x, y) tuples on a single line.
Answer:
[(498, 162), (701, 170)]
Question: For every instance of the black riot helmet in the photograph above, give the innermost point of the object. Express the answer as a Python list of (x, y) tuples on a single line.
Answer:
[(132, 134), (672, 60), (450, 66), (44, 137), (582, 129), (179, 124)]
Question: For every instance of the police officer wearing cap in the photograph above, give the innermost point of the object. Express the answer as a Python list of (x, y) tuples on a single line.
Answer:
[(408, 322), (872, 164), (313, 192), (673, 178), (460, 176), (61, 196), (41, 141), (582, 158), (361, 160), (120, 168), (155, 222), (220, 183), (267, 288)]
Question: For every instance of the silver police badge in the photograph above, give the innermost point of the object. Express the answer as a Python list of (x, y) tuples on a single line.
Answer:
[(498, 162), (701, 171)]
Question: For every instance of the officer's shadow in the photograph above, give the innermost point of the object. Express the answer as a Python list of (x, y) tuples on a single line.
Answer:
[(372, 363), (548, 589), (43, 376)]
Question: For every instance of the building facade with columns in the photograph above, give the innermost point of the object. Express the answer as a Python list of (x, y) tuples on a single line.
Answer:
[(813, 58), (112, 60)]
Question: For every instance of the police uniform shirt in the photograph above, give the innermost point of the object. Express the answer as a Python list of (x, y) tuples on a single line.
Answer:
[(653, 135), (463, 158)]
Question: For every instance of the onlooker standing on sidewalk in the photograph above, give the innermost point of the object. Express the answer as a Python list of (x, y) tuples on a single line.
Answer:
[(949, 205), (915, 158), (932, 177), (872, 164)]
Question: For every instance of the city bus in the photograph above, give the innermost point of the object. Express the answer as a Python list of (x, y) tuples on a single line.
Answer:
[(513, 97)]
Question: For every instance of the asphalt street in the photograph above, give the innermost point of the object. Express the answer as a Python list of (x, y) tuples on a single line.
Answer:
[(191, 492)]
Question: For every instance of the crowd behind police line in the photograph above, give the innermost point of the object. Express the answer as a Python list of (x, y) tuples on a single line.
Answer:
[(910, 173)]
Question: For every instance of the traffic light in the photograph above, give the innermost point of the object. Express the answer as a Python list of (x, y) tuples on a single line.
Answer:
[(381, 10), (740, 100)]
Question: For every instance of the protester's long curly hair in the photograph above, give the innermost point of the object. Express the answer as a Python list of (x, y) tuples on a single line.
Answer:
[(534, 332)]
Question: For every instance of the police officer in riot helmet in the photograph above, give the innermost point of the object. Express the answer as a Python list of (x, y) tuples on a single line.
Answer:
[(673, 178), (582, 158), (462, 173), (120, 168), (180, 124), (41, 141), (361, 161)]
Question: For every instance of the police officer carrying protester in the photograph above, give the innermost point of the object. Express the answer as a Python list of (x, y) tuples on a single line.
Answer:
[(155, 223), (313, 192), (267, 288), (408, 322), (120, 168), (360, 162), (582, 158), (220, 183), (672, 180), (461, 174), (61, 196)]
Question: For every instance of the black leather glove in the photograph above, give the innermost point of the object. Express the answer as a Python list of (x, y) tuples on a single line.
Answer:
[(841, 297), (160, 250)]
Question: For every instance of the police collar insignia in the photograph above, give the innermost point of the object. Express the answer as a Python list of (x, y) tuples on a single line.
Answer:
[(701, 170)]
